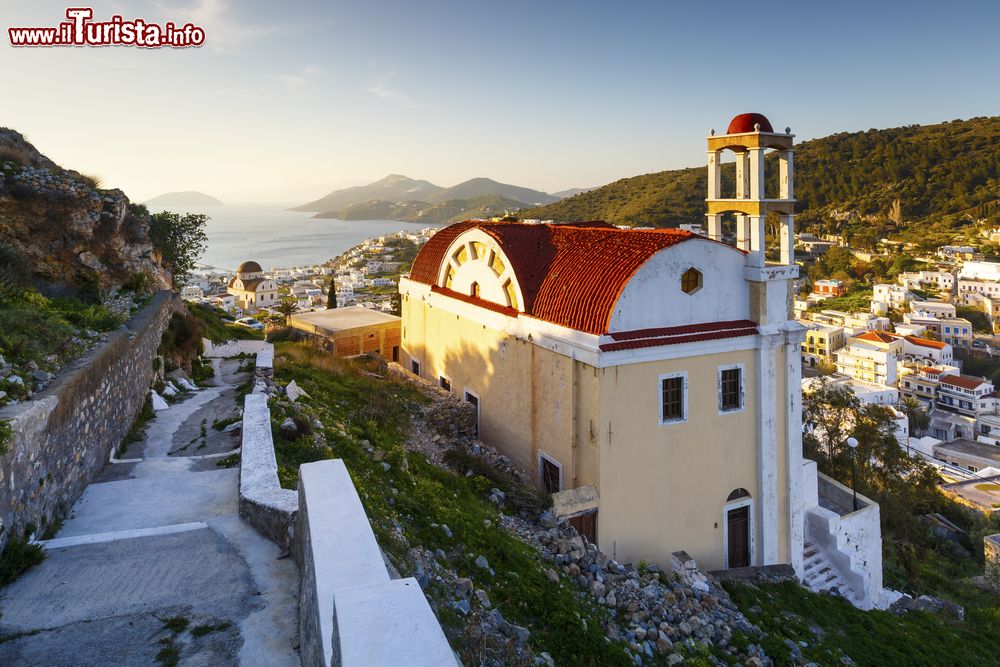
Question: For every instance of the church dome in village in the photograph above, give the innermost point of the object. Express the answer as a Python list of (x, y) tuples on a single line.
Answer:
[(249, 267), (745, 123)]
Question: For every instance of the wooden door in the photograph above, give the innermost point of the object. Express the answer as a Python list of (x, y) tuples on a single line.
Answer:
[(586, 525), (738, 527)]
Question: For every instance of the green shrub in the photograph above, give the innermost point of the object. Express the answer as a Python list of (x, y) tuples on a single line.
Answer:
[(18, 557)]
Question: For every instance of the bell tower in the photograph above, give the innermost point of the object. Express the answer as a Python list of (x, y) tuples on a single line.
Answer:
[(749, 135)]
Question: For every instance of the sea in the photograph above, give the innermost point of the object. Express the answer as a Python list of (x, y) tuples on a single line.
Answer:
[(273, 236)]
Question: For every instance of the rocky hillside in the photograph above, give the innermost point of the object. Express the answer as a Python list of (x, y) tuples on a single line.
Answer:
[(903, 179), (69, 231)]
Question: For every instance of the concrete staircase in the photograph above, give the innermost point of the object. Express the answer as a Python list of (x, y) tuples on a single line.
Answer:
[(820, 574)]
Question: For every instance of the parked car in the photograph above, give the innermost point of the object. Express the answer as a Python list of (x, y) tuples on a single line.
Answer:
[(251, 323)]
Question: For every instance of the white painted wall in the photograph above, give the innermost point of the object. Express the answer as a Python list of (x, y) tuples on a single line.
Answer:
[(653, 297)]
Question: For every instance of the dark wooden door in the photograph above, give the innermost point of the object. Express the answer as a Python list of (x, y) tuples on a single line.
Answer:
[(738, 525), (550, 476), (475, 402), (586, 525)]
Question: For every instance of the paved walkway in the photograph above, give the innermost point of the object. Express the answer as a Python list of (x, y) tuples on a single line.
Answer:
[(158, 537)]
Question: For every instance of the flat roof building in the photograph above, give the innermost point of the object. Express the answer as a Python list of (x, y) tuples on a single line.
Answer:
[(353, 330)]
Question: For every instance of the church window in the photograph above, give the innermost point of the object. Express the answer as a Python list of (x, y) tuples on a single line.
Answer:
[(673, 400), (691, 281), (497, 264), (508, 287)]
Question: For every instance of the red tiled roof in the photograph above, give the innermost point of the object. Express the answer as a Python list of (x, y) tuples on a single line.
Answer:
[(476, 301), (963, 381), (938, 345), (878, 336), (932, 371), (569, 274), (676, 335)]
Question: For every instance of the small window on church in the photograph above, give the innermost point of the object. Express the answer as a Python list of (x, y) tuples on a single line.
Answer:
[(479, 250), (508, 287), (497, 264), (691, 281), (474, 290), (449, 278), (462, 256)]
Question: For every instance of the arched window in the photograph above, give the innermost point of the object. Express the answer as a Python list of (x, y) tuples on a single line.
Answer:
[(474, 290), (737, 494)]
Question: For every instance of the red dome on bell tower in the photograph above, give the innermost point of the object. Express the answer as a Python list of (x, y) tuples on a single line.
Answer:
[(745, 123)]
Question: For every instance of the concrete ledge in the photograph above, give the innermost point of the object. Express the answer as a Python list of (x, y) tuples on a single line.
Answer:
[(390, 624), (350, 612), (263, 503)]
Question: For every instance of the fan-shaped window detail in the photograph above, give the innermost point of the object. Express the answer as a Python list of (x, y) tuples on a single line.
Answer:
[(450, 278), (479, 250), (462, 256), (737, 494), (497, 265), (508, 287)]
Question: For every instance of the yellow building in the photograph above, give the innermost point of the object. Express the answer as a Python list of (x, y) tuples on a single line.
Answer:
[(252, 290), (821, 343), (352, 330), (655, 372)]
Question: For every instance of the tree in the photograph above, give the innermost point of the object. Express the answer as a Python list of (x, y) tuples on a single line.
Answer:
[(180, 240), (396, 300), (331, 295), (917, 418), (286, 307)]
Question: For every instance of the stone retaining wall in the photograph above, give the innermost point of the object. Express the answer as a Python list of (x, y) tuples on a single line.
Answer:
[(63, 437)]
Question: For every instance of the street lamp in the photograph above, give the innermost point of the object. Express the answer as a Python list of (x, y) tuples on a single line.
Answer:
[(853, 444)]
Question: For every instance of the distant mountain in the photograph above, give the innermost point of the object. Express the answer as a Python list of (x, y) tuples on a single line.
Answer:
[(563, 194), (478, 187), (438, 213), (398, 197), (921, 183), (394, 188), (186, 198)]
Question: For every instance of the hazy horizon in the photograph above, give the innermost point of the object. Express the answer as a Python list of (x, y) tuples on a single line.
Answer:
[(286, 103)]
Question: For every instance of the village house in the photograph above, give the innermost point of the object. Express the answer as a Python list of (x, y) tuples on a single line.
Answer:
[(654, 375), (252, 291)]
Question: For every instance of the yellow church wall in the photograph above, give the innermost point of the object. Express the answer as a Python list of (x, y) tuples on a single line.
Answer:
[(672, 480), (526, 393)]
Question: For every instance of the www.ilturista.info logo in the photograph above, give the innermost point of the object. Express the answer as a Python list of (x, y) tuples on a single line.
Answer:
[(79, 30)]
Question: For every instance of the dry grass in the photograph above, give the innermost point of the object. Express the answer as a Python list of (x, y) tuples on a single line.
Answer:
[(15, 155), (91, 181)]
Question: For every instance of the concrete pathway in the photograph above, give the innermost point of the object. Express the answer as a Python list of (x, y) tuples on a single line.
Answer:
[(158, 538)]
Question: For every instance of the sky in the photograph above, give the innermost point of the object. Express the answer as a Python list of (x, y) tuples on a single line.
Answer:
[(289, 100)]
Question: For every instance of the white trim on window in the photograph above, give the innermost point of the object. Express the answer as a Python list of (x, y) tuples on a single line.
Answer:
[(541, 477), (743, 384), (684, 397), (734, 505)]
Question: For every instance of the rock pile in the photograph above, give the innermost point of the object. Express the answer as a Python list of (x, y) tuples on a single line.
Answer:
[(655, 612)]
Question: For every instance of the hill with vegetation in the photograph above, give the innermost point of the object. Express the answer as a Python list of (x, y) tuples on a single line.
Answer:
[(398, 197), (440, 213), (907, 182)]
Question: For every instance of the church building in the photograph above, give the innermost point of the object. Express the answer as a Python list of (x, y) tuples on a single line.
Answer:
[(649, 378), (252, 290)]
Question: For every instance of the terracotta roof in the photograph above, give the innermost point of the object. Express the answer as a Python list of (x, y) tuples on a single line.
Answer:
[(476, 301), (964, 381), (249, 267), (631, 340), (569, 274), (932, 371), (937, 345), (248, 285), (878, 336), (745, 122)]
